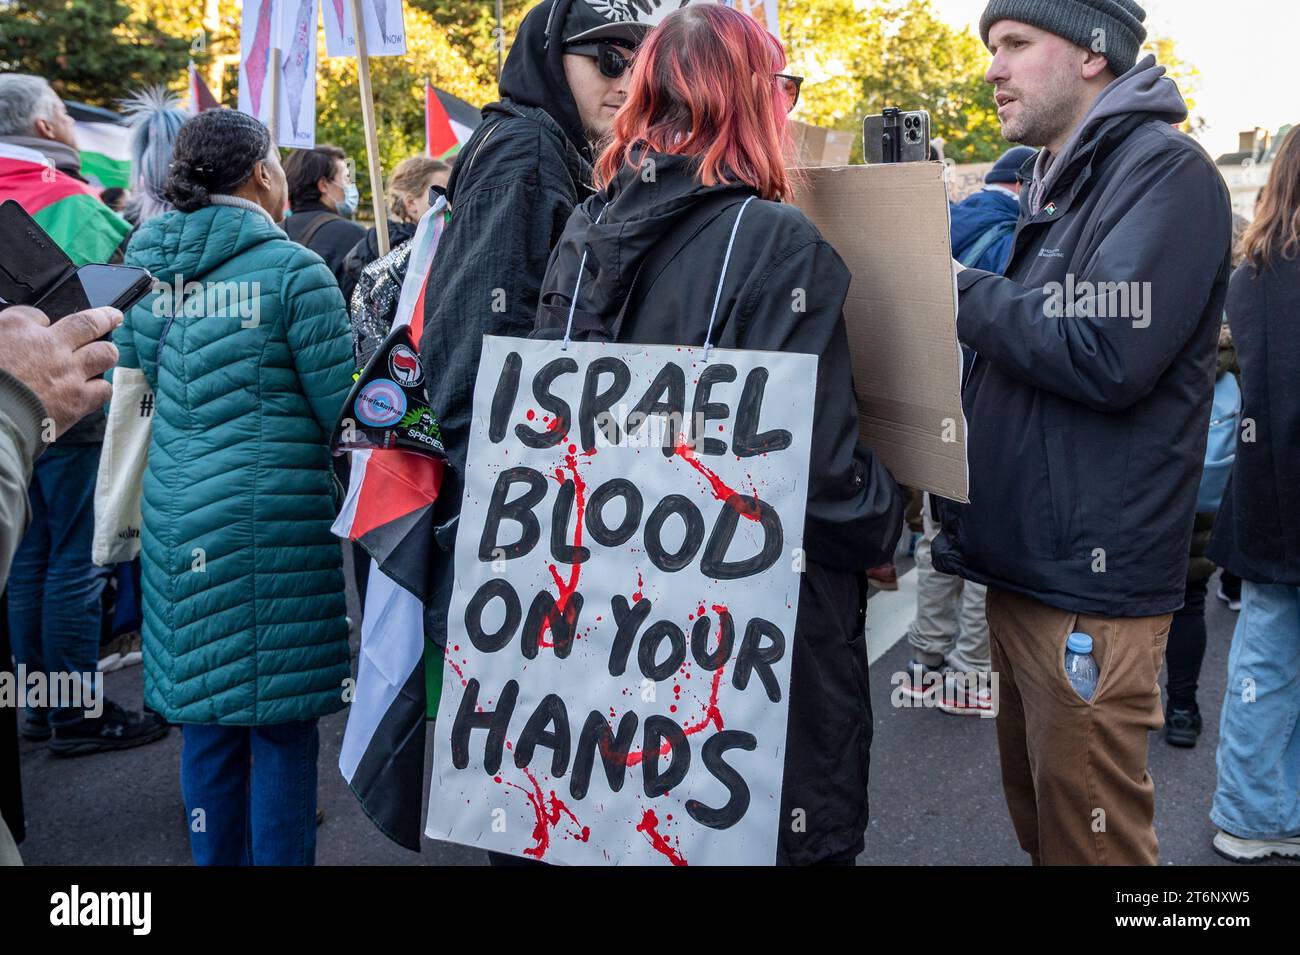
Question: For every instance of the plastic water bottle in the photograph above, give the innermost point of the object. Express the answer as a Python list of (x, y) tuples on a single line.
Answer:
[(1080, 667)]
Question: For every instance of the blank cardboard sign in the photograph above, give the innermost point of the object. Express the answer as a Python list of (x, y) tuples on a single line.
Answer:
[(890, 225)]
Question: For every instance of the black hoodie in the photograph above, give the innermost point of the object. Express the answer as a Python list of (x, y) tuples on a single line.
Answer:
[(511, 191)]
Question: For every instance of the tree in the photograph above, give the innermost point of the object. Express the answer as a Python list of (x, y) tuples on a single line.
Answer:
[(469, 24), (94, 51), (892, 53), (398, 86)]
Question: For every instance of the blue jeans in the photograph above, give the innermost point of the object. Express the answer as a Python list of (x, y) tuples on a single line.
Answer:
[(250, 793), (1258, 794), (54, 590)]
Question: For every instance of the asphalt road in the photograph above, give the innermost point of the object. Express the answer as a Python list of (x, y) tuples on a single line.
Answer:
[(936, 796)]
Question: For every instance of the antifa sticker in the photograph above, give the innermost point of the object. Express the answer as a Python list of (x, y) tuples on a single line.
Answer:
[(388, 406)]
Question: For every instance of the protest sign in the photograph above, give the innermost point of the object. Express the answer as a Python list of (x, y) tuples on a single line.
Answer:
[(890, 225), (296, 81), (966, 179), (385, 28), (621, 629), (257, 37)]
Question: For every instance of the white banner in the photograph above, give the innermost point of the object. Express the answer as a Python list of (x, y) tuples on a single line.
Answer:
[(257, 37), (385, 27), (297, 43), (627, 580)]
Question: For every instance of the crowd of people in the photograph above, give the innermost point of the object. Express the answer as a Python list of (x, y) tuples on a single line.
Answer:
[(633, 186)]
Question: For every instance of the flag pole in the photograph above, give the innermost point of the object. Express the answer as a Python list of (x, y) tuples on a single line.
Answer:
[(273, 117), (372, 135)]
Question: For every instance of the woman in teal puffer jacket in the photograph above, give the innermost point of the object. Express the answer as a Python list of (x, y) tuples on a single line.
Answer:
[(245, 638)]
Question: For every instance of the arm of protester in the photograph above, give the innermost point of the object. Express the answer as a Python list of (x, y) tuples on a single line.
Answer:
[(1167, 268), (319, 335), (855, 510)]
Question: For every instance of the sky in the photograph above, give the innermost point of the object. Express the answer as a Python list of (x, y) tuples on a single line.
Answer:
[(1248, 52)]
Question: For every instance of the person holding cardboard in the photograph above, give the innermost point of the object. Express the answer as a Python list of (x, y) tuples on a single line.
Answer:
[(1088, 406)]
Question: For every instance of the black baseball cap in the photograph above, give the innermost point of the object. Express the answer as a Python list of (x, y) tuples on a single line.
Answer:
[(609, 20)]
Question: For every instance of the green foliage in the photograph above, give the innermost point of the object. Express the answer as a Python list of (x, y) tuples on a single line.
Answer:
[(859, 57), (468, 26), (398, 86), (93, 51)]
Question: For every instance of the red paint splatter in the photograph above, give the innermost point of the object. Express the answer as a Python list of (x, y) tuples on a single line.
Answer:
[(531, 414), (720, 489), (636, 597), (650, 826), (566, 590), (712, 715), (447, 656), (547, 817)]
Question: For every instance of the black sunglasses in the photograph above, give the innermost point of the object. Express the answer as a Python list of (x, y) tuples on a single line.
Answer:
[(611, 60), (790, 85)]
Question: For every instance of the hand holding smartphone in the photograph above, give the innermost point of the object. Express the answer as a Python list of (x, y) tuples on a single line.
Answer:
[(35, 271)]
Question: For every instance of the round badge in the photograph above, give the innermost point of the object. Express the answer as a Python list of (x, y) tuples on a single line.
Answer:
[(381, 403), (404, 365)]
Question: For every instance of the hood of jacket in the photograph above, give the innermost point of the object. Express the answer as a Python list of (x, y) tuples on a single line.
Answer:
[(533, 74), (625, 221), (193, 244), (1143, 90), (979, 212)]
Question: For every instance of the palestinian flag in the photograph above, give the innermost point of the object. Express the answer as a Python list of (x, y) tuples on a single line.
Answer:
[(66, 208), (104, 142), (201, 97), (448, 122), (388, 511)]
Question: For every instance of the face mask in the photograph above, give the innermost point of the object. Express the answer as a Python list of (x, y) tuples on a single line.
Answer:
[(349, 203)]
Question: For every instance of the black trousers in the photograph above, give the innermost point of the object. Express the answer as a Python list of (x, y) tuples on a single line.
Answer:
[(1186, 648)]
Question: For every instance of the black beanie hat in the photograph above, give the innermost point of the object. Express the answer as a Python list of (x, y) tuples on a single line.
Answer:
[(1111, 27)]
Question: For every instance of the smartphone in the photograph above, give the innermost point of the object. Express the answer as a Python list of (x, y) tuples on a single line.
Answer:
[(93, 286), (896, 135)]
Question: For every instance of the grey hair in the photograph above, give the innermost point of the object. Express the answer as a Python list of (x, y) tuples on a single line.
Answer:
[(155, 116), (23, 100)]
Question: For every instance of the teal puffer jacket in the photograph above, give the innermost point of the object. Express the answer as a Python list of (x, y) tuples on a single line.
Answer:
[(242, 580)]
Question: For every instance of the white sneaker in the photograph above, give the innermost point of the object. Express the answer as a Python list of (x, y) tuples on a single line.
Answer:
[(121, 651), (1234, 603), (963, 697), (1254, 850)]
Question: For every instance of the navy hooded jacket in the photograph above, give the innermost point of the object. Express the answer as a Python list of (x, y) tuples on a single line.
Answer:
[(977, 214)]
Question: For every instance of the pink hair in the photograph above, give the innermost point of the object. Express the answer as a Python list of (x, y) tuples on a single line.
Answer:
[(703, 85)]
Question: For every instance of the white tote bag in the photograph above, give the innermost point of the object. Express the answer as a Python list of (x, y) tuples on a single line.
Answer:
[(121, 469)]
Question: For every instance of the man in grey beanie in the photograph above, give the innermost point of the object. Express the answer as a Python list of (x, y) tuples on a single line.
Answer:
[(1088, 405)]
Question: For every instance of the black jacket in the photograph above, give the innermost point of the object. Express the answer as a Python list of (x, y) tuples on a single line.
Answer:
[(511, 190), (332, 241), (1087, 435), (367, 251), (855, 509), (1257, 532)]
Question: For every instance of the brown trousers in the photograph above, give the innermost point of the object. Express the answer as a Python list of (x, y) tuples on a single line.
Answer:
[(1075, 773)]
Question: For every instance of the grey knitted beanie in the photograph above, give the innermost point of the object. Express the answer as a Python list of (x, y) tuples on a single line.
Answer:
[(1111, 27)]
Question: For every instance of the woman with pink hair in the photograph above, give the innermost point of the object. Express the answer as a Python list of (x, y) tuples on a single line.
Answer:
[(690, 240)]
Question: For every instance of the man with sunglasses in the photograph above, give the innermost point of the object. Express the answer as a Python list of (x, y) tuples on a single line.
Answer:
[(511, 190)]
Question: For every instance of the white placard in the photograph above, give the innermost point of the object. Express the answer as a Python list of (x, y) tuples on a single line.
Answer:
[(385, 27), (257, 37), (297, 42), (672, 633)]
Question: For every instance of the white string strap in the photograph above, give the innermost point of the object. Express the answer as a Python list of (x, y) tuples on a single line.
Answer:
[(722, 279), (573, 302)]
